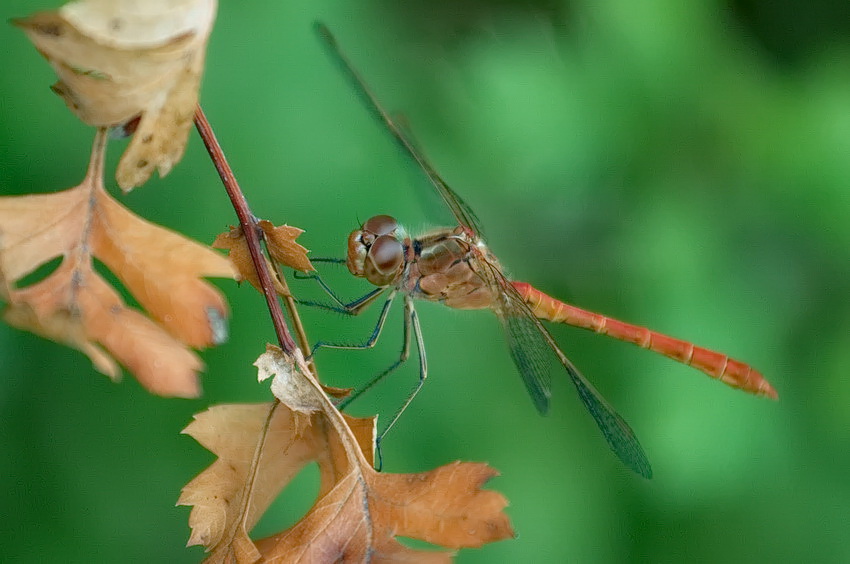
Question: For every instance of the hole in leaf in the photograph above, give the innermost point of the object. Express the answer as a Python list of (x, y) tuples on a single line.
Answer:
[(417, 544), (39, 273), (291, 505), (116, 284)]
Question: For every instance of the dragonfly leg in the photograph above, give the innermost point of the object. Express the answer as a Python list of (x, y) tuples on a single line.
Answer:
[(402, 358), (355, 307), (376, 333), (411, 323), (411, 326)]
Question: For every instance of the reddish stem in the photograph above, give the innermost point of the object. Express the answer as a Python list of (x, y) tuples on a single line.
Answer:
[(249, 227)]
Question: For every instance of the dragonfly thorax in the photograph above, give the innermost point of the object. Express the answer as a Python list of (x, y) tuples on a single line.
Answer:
[(375, 251)]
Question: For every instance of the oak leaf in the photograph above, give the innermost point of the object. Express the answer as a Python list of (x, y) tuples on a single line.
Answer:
[(282, 247), (118, 60), (359, 512), (75, 305)]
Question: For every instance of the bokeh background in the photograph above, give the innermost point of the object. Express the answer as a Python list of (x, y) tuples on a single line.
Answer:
[(680, 165)]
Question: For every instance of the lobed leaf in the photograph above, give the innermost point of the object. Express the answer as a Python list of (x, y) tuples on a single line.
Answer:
[(359, 512), (282, 247), (74, 304)]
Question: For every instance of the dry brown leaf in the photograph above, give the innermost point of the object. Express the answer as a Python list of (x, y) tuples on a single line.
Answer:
[(281, 244), (134, 24), (234, 242), (288, 383), (283, 248), (335, 392), (75, 305), (119, 59), (359, 512)]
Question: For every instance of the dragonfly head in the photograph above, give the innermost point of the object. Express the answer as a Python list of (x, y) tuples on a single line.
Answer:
[(375, 251)]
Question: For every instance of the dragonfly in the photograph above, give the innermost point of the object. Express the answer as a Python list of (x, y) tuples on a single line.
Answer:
[(454, 266)]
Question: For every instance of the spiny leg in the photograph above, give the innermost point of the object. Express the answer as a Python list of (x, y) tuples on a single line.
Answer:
[(402, 358), (411, 322), (370, 342), (355, 307)]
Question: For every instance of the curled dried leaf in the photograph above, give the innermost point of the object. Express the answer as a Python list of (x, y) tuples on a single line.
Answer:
[(118, 60), (288, 382), (130, 24)]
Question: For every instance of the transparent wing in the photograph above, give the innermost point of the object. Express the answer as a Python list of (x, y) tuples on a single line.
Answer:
[(529, 353), (528, 340), (526, 335), (462, 213)]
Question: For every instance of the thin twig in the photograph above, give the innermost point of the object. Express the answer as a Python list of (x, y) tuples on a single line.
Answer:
[(300, 333), (249, 228)]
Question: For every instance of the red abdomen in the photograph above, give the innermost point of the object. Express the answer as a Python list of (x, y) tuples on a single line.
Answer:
[(733, 372)]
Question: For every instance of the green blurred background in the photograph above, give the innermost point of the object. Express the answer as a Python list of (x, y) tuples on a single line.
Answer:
[(680, 165)]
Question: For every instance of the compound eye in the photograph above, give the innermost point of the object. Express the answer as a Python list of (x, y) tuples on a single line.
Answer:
[(386, 254), (381, 225)]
